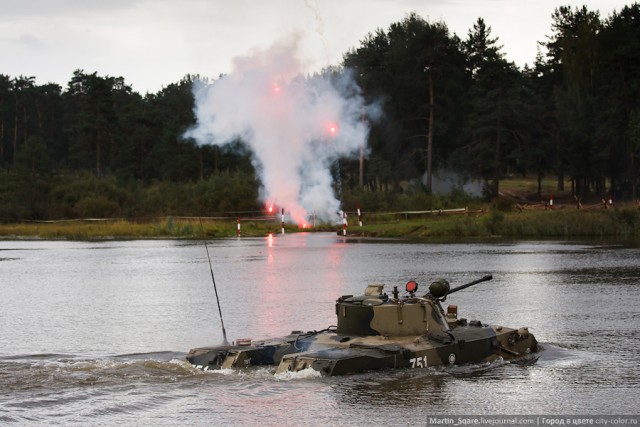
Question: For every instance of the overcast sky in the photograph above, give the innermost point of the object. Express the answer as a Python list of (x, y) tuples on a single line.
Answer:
[(153, 43)]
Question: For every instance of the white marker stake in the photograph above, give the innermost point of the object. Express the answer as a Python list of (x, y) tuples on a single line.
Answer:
[(344, 223)]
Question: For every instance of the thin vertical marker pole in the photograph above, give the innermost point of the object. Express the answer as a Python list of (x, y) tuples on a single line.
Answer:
[(344, 223), (283, 221)]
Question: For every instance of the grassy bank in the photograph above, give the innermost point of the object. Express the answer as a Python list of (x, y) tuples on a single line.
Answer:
[(122, 229), (621, 222), (518, 213)]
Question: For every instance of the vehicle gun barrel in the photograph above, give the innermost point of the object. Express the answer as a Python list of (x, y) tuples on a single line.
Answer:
[(475, 282)]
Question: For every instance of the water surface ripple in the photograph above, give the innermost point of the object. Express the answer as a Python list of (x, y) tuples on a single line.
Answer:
[(95, 333)]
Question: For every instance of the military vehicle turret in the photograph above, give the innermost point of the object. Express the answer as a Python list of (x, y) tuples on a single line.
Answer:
[(380, 331)]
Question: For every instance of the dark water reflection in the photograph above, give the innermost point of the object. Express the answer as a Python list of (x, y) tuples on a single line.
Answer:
[(96, 333)]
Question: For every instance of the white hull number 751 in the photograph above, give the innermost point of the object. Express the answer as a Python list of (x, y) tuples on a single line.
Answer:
[(419, 362)]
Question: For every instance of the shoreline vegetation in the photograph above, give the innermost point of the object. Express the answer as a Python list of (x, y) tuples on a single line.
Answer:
[(533, 221), (490, 137), (519, 213)]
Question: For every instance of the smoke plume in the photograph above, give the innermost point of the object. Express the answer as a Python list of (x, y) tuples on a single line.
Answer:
[(296, 126)]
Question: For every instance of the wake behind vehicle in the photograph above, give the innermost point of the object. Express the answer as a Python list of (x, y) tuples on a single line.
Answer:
[(380, 331)]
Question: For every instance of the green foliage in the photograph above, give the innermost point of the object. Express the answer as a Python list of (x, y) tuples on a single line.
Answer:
[(414, 199), (494, 222), (503, 205), (624, 223), (84, 195), (175, 228), (97, 207), (97, 148), (395, 67), (595, 92), (495, 103), (226, 192), (564, 223), (628, 219), (15, 193)]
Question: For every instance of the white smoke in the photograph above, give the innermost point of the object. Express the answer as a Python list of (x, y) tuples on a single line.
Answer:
[(296, 126)]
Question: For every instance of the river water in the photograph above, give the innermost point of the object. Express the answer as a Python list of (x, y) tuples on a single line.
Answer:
[(95, 333)]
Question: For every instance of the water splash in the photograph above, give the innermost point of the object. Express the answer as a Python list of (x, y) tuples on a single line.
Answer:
[(298, 375)]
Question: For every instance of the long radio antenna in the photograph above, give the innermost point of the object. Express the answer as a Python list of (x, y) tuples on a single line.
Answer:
[(224, 332)]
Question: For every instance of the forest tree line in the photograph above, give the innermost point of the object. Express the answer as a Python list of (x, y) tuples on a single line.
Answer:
[(98, 148)]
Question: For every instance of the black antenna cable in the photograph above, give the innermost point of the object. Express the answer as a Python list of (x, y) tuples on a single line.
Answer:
[(224, 332)]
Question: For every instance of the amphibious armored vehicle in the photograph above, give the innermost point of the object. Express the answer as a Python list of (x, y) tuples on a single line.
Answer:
[(380, 331)]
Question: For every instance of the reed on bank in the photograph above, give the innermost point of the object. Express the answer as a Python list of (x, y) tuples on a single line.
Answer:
[(623, 222), (620, 223), (160, 228)]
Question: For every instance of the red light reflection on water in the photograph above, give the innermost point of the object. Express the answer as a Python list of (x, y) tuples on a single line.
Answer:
[(301, 269)]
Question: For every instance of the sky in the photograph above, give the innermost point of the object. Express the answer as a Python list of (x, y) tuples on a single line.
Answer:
[(153, 43)]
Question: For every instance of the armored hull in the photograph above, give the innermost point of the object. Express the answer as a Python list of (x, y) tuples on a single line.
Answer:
[(376, 331)]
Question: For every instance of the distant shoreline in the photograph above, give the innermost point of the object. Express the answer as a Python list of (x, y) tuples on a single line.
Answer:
[(619, 222)]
